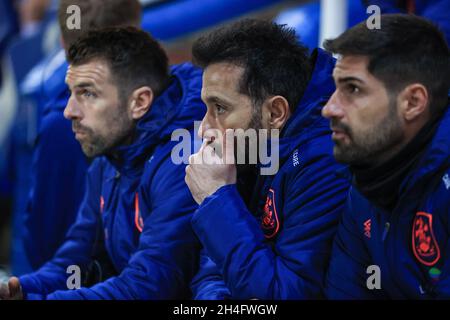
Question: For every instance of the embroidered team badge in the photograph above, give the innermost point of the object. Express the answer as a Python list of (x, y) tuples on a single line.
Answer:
[(137, 214), (102, 204), (368, 228), (269, 223), (424, 244)]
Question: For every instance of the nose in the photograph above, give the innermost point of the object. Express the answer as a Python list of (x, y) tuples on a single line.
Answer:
[(333, 108), (202, 129), (207, 130), (72, 110)]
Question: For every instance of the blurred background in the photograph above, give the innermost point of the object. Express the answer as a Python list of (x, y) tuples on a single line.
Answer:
[(30, 51)]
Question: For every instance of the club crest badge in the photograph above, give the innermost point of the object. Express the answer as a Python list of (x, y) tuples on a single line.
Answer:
[(138, 221), (102, 204), (424, 244), (270, 223), (367, 228)]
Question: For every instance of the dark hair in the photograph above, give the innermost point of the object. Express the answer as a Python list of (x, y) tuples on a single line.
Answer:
[(407, 49), (274, 62), (97, 14), (133, 56)]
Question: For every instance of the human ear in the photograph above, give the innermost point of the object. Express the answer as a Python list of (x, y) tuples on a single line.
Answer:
[(141, 100), (278, 112)]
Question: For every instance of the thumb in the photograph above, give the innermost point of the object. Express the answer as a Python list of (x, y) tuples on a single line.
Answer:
[(197, 158), (205, 142), (14, 286)]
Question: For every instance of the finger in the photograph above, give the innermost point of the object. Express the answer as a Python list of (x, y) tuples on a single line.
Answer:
[(191, 159), (196, 158), (187, 178), (205, 143), (14, 287), (210, 156)]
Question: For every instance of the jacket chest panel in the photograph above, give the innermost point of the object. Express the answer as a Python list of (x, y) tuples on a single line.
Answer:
[(118, 210), (408, 245)]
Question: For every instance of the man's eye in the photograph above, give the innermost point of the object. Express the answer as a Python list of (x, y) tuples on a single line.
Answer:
[(353, 89), (89, 94), (220, 109)]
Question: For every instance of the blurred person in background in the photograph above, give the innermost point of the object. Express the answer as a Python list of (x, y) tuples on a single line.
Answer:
[(31, 13), (9, 28)]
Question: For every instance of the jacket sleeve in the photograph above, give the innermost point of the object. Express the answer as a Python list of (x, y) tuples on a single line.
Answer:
[(58, 180), (208, 283), (76, 249), (167, 255), (346, 276), (294, 267), (441, 289)]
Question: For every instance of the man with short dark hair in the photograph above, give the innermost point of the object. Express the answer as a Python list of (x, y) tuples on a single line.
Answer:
[(132, 238), (391, 124), (58, 165), (265, 234)]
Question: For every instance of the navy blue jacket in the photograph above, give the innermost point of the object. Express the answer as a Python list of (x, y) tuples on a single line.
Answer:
[(58, 171), (410, 245), (278, 246), (142, 207)]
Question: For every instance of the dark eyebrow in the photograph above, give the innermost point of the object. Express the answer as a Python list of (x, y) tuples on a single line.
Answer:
[(215, 99), (349, 79), (84, 85)]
